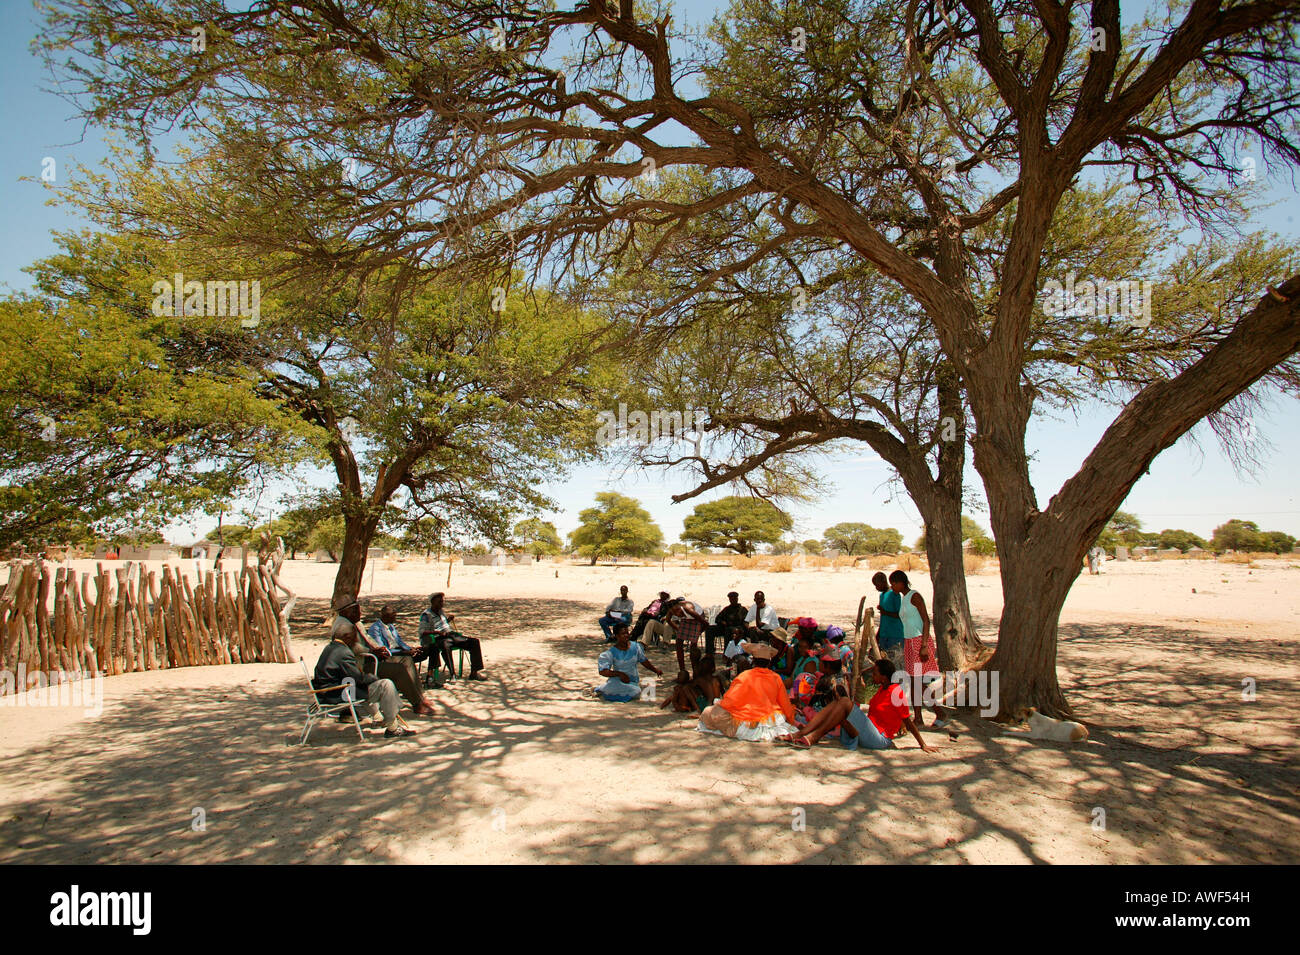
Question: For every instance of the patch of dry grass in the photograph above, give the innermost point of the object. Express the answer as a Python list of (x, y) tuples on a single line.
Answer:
[(741, 562)]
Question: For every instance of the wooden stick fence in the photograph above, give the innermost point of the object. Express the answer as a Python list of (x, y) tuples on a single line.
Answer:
[(129, 619)]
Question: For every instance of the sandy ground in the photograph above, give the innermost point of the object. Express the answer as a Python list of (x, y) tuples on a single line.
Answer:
[(526, 768)]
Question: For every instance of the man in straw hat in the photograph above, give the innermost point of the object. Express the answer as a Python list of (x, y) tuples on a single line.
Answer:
[(756, 706), (337, 666)]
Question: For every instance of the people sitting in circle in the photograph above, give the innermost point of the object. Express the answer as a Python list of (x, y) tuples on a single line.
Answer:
[(889, 637), (397, 660), (435, 627), (756, 706), (619, 610), (337, 667), (887, 714), (692, 695), (650, 613), (618, 664)]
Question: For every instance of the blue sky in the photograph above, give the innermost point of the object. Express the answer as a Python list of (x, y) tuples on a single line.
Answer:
[(1189, 487)]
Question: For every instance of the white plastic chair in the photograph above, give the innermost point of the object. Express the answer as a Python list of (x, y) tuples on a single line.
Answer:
[(318, 711)]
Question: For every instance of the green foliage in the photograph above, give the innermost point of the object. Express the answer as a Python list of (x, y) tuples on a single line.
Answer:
[(538, 537), (1126, 529), (617, 526), (327, 536), (856, 538), (1242, 535), (1183, 540), (110, 422), (735, 523)]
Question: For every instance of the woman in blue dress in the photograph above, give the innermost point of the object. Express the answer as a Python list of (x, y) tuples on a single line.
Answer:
[(619, 665)]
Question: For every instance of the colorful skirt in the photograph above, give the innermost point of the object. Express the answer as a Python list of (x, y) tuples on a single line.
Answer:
[(913, 665)]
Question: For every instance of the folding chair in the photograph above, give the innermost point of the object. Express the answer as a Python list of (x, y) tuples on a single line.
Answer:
[(319, 711)]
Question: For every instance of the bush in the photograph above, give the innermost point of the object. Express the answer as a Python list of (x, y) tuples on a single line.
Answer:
[(782, 565), (697, 564), (744, 563), (973, 563)]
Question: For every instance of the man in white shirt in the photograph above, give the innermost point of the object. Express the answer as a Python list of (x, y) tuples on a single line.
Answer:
[(618, 611), (762, 616)]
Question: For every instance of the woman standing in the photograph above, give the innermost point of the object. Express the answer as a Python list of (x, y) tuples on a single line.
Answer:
[(919, 660)]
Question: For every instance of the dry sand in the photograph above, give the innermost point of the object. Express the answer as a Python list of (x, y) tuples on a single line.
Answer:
[(527, 768)]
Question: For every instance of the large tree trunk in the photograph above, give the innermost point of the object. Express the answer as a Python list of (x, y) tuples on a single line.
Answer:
[(939, 501), (1034, 588), (1041, 552), (358, 532), (955, 636)]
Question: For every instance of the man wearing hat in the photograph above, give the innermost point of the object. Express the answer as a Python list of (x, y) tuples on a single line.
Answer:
[(337, 666), (435, 626), (756, 706)]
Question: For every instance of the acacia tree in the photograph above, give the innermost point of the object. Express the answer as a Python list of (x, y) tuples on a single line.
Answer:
[(617, 526), (110, 426), (538, 537), (894, 129), (735, 523), (446, 408)]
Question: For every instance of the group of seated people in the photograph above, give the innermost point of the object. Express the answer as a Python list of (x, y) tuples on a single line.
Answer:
[(397, 662), (784, 680)]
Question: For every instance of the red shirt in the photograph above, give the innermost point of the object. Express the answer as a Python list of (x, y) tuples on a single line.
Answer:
[(887, 710)]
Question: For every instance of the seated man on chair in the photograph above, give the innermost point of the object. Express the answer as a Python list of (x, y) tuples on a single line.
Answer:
[(618, 611), (337, 666), (435, 624), (397, 661)]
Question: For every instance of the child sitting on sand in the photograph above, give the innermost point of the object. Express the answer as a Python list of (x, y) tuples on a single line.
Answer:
[(693, 695)]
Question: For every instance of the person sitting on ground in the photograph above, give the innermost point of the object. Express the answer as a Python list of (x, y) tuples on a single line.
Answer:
[(890, 635), (435, 625), (651, 612), (729, 617), (618, 664), (619, 610), (795, 653), (756, 706), (886, 715), (397, 661), (738, 661), (693, 695), (337, 667), (807, 658)]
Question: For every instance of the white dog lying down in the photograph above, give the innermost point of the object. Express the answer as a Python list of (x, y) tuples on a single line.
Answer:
[(1044, 727)]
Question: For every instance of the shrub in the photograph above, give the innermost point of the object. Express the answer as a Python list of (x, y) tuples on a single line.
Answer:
[(973, 563), (782, 565), (741, 562)]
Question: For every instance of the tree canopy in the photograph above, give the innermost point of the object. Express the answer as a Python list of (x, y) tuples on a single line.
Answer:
[(617, 526), (735, 523)]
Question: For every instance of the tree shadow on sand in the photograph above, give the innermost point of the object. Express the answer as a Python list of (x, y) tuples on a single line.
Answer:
[(1183, 772)]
